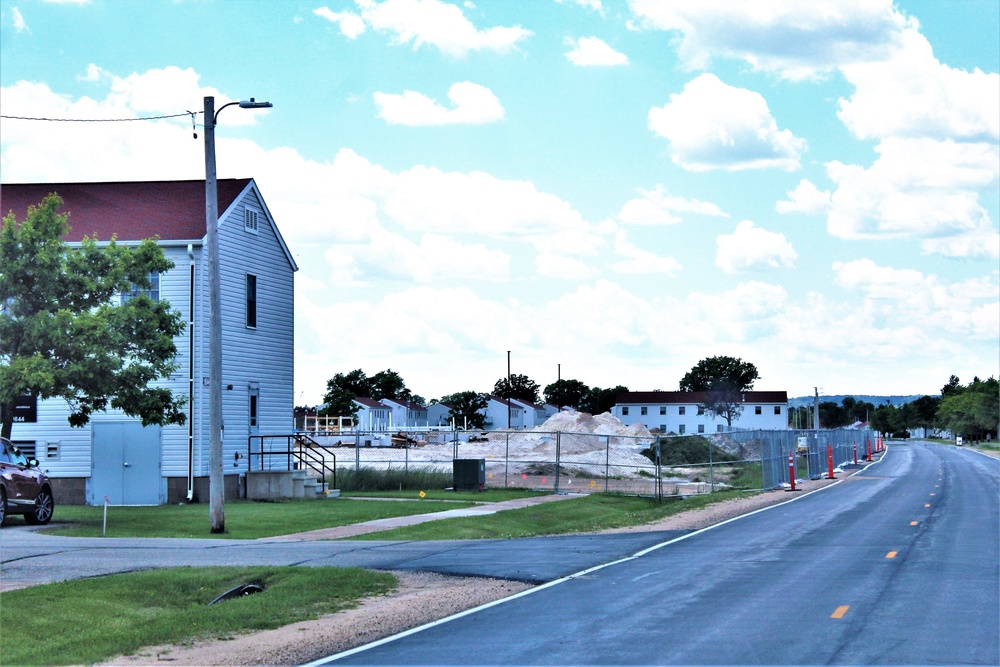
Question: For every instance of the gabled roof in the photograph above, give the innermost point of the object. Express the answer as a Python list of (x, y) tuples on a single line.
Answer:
[(504, 401), (370, 403), (134, 210), (526, 404), (693, 397)]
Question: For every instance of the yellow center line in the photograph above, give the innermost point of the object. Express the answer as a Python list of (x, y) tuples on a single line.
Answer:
[(840, 611), (891, 554), (927, 504), (913, 523)]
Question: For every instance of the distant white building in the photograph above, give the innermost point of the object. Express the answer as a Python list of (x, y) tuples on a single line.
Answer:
[(680, 412), (499, 411), (372, 415), (534, 415), (439, 414), (406, 414)]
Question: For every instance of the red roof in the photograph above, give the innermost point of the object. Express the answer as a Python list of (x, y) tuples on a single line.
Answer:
[(132, 211), (693, 397)]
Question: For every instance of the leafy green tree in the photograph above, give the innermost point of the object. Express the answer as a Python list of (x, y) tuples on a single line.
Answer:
[(723, 379), (972, 410), (598, 401), (885, 419), (953, 384), (388, 384), (566, 392), (465, 408), (520, 387), (832, 415), (65, 331)]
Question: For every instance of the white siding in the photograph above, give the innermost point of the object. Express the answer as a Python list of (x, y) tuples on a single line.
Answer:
[(265, 354)]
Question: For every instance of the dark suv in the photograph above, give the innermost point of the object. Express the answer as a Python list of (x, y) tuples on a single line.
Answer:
[(24, 489)]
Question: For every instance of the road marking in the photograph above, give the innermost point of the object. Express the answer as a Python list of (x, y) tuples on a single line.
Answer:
[(927, 504), (839, 613), (891, 554), (913, 523), (932, 494)]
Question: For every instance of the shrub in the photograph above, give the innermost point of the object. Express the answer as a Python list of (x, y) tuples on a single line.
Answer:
[(370, 479), (685, 450)]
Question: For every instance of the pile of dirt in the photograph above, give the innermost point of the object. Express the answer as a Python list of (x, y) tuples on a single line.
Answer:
[(581, 422)]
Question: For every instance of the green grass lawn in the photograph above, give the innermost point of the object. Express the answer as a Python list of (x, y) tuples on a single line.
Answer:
[(490, 495), (574, 515), (90, 620), (244, 519)]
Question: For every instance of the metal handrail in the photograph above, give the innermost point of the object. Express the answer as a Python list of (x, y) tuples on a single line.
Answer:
[(297, 451)]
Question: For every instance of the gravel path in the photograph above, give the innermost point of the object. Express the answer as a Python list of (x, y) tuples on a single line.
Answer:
[(419, 598)]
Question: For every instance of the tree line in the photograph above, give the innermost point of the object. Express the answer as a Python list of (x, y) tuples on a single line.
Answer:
[(971, 410), (722, 379)]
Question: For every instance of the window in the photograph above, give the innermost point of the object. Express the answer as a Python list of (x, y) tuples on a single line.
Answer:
[(701, 428), (642, 410), (701, 409), (153, 292), (663, 409), (624, 410), (250, 220), (680, 429), (681, 410), (251, 301), (663, 428), (756, 409), (719, 428), (777, 409)]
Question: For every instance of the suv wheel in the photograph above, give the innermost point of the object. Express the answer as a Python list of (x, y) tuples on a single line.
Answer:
[(42, 511), (3, 505)]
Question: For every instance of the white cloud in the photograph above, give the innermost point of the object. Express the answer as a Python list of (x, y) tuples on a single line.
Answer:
[(912, 94), (435, 257), (593, 5), (594, 52), (751, 248), (711, 125), (19, 23), (351, 24), (472, 104), (968, 307), (796, 40), (563, 267), (805, 198), (421, 22), (917, 188), (638, 261), (657, 207)]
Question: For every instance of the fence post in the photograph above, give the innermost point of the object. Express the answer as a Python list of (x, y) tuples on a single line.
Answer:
[(357, 452), (607, 460), (506, 460), (659, 472), (711, 469), (557, 462)]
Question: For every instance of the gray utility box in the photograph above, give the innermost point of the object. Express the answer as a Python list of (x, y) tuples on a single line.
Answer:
[(469, 474)]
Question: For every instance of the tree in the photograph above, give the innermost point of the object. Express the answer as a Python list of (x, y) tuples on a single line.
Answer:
[(520, 387), (973, 410), (66, 332), (953, 384), (388, 384), (465, 408), (598, 401), (723, 379), (566, 392)]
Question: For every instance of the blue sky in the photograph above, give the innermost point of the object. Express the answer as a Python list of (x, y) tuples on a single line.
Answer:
[(619, 188)]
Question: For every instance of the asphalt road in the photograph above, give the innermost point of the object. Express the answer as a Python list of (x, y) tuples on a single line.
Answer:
[(897, 565)]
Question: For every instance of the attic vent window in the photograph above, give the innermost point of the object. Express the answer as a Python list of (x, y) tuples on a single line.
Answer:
[(250, 220)]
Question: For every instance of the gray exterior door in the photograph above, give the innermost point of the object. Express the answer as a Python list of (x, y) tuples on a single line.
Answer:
[(125, 464)]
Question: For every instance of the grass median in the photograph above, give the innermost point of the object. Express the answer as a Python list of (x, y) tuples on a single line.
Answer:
[(574, 515), (246, 520), (90, 620)]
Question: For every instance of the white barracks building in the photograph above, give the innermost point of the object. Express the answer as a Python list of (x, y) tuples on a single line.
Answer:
[(680, 412)]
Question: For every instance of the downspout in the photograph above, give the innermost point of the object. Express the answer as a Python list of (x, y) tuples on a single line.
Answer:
[(190, 474)]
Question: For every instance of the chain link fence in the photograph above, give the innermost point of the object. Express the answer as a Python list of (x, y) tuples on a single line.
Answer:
[(558, 461)]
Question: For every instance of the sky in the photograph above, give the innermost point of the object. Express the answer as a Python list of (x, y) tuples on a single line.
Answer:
[(607, 191)]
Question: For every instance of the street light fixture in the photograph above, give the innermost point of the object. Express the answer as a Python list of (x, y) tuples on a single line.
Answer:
[(216, 480)]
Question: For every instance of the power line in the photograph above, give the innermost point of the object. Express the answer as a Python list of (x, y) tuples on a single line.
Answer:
[(102, 120)]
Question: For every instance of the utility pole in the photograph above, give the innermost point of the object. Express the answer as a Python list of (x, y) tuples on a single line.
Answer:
[(216, 479), (510, 390)]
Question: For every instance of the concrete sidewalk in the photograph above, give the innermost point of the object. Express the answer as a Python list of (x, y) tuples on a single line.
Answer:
[(353, 530)]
